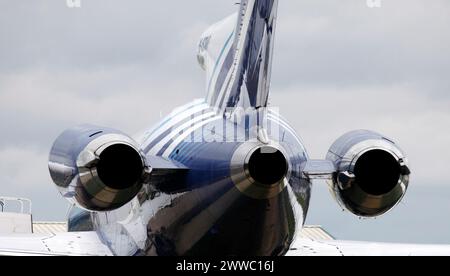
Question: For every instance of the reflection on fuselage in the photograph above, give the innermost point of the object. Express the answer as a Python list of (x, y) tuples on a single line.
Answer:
[(204, 211)]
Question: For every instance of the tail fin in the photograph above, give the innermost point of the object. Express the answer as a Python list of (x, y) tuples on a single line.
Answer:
[(240, 75)]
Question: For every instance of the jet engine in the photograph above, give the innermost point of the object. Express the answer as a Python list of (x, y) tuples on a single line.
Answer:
[(372, 173), (98, 169)]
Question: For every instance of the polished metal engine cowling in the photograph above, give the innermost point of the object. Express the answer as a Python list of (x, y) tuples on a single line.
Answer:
[(99, 169), (372, 173)]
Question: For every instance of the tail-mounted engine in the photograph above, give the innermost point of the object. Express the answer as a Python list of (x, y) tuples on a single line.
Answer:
[(97, 168), (372, 173)]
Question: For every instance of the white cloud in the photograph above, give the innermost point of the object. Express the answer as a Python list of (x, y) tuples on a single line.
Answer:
[(24, 173)]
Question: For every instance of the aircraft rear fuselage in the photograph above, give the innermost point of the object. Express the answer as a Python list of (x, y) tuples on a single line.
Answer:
[(243, 193)]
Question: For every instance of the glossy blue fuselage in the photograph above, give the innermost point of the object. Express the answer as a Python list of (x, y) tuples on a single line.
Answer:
[(201, 211)]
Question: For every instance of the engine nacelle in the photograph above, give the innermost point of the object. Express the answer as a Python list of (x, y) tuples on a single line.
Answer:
[(372, 173), (99, 169)]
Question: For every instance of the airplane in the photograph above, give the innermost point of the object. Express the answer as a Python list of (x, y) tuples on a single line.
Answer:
[(221, 176)]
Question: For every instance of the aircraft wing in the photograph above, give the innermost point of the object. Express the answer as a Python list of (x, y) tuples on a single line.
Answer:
[(309, 247), (61, 244), (89, 244)]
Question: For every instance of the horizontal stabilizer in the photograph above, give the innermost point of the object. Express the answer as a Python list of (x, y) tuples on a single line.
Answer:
[(318, 169)]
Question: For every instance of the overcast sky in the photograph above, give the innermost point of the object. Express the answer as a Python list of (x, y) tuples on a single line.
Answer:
[(339, 65)]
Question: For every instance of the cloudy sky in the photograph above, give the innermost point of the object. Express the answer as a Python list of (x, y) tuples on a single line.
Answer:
[(339, 65)]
